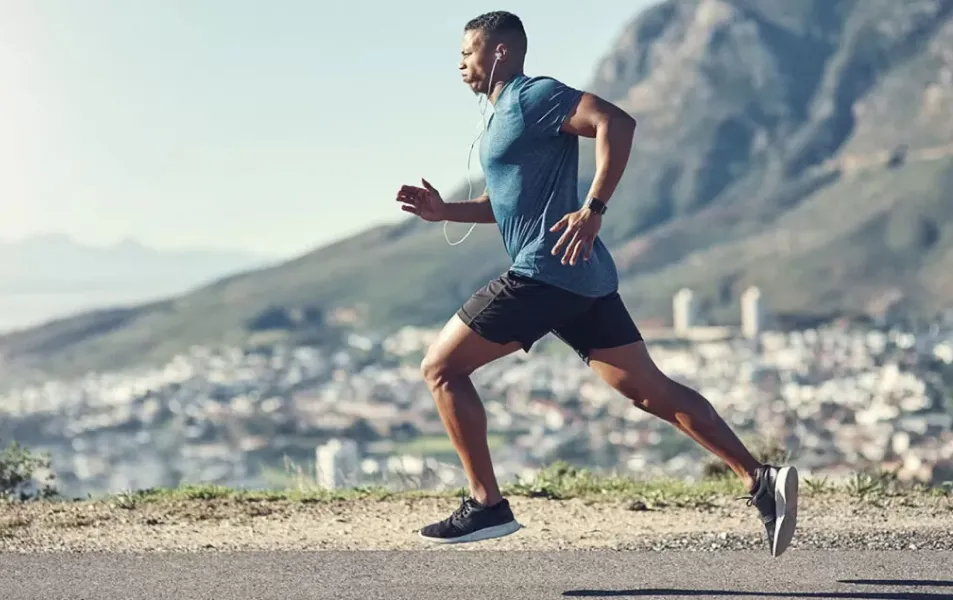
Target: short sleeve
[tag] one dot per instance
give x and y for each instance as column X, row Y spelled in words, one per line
column 546, row 103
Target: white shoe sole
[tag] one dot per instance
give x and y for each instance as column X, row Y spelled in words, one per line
column 785, row 498
column 478, row 536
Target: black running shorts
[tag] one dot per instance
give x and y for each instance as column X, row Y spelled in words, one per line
column 513, row 307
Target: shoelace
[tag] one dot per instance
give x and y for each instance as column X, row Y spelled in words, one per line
column 749, row 497
column 463, row 510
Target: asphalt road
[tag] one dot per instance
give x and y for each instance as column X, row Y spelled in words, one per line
column 478, row 575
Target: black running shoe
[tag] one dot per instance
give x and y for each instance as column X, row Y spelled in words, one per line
column 775, row 497
column 472, row 522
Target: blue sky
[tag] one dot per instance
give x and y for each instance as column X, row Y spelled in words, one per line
column 269, row 126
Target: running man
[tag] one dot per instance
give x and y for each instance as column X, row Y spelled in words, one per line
column 563, row 280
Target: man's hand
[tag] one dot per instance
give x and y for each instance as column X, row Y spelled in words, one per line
column 424, row 202
column 582, row 227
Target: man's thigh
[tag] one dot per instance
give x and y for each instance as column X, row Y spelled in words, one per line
column 605, row 325
column 513, row 309
column 459, row 350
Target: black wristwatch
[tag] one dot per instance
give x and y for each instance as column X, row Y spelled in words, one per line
column 596, row 205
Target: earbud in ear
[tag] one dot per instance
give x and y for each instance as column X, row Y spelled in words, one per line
column 499, row 55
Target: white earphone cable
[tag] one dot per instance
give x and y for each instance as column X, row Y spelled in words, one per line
column 470, row 156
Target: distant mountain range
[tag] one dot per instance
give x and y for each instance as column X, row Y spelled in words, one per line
column 48, row 276
column 805, row 146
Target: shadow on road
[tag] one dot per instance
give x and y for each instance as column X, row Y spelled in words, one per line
column 739, row 593
column 916, row 582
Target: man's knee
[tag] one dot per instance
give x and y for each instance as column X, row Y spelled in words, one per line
column 430, row 367
column 437, row 370
column 457, row 352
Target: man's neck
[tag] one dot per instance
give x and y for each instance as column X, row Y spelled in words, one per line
column 499, row 85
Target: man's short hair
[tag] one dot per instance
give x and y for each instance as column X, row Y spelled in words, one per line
column 500, row 26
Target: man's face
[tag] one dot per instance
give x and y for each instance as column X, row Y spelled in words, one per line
column 476, row 61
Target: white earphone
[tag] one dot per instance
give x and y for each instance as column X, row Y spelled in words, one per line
column 499, row 55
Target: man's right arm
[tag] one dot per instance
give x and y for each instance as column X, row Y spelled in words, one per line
column 469, row 211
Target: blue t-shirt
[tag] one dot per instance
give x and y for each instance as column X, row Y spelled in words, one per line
column 532, row 171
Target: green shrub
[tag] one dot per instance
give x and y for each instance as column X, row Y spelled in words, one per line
column 19, row 472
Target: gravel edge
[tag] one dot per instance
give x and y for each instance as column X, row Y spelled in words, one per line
column 230, row 524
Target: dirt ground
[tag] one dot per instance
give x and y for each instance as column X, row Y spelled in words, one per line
column 228, row 524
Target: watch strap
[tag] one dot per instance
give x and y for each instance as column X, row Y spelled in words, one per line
column 596, row 205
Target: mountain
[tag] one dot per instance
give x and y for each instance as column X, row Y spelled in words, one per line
column 805, row 147
column 47, row 276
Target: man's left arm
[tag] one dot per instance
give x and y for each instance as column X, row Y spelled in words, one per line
column 613, row 130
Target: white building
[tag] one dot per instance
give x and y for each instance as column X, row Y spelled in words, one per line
column 752, row 312
column 684, row 311
column 338, row 463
